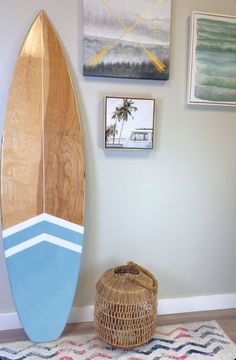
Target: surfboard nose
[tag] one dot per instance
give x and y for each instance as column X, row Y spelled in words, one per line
column 42, row 14
column 41, row 18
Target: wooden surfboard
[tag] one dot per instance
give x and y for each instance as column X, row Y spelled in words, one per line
column 42, row 185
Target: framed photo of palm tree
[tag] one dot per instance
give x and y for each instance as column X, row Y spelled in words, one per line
column 129, row 123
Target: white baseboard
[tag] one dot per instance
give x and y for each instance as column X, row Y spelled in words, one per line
column 10, row 321
column 81, row 314
column 197, row 303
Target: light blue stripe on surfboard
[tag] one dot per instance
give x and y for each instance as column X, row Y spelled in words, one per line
column 42, row 227
column 44, row 279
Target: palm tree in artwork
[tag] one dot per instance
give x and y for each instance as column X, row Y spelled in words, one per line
column 111, row 131
column 123, row 112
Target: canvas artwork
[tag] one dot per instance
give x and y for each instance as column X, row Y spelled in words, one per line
column 127, row 38
column 212, row 71
column 129, row 123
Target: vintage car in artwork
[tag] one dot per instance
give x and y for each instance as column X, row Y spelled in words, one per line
column 140, row 138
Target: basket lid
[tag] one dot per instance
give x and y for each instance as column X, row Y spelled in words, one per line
column 128, row 278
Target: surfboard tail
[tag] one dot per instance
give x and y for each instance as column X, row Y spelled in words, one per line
column 43, row 255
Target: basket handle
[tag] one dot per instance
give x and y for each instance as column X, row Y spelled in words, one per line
column 140, row 282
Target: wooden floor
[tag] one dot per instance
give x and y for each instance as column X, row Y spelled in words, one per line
column 225, row 318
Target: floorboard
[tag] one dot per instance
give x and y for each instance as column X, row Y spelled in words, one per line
column 225, row 318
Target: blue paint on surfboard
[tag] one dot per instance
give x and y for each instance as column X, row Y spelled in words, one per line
column 42, row 264
column 53, row 269
column 42, row 227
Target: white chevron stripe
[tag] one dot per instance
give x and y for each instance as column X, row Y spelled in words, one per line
column 41, row 238
column 43, row 217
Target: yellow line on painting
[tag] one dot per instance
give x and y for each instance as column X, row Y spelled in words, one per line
column 154, row 59
column 102, row 53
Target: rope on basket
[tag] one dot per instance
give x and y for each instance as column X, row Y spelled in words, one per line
column 139, row 281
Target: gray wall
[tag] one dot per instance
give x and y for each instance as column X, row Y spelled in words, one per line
column 172, row 209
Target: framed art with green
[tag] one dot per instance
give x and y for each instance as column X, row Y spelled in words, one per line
column 212, row 65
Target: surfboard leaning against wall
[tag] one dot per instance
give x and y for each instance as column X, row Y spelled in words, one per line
column 42, row 185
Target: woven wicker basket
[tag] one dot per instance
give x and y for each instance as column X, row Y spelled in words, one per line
column 126, row 306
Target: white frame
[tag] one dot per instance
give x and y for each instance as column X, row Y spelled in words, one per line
column 152, row 121
column 191, row 99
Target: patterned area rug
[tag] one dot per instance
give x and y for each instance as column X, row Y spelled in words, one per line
column 176, row 342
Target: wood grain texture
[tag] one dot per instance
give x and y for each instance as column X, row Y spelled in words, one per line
column 42, row 157
column 64, row 169
column 21, row 166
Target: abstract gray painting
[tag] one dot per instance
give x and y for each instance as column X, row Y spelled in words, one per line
column 127, row 38
column 213, row 60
